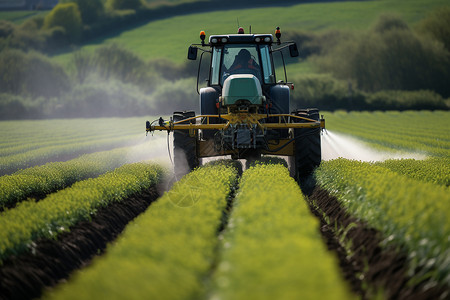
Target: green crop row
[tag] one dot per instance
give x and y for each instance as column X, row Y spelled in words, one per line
column 167, row 252
column 411, row 214
column 51, row 141
column 272, row 248
column 30, row 220
column 24, row 144
column 435, row 170
column 17, row 136
column 42, row 180
column 28, row 159
column 422, row 131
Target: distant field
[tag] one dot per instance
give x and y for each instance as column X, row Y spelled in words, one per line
column 19, row 17
column 171, row 37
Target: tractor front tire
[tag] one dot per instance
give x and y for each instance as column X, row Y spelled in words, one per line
column 308, row 154
column 184, row 147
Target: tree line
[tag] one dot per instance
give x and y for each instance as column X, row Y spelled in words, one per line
column 390, row 66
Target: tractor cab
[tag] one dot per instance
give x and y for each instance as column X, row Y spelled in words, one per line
column 242, row 73
column 242, row 54
column 241, row 58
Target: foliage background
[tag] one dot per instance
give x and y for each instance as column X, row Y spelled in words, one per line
column 96, row 58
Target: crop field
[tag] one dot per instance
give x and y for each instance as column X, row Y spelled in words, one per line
column 87, row 212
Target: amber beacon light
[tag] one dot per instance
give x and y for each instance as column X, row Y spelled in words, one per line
column 278, row 34
column 202, row 37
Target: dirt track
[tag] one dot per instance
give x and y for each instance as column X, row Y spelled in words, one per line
column 50, row 261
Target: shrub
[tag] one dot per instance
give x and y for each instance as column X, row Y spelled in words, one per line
column 27, row 39
column 31, row 74
column 12, row 107
column 90, row 10
column 403, row 100
column 103, row 99
column 66, row 15
column 317, row 43
column 6, row 28
column 172, row 96
column 437, row 25
column 390, row 57
column 389, row 22
column 33, row 24
column 117, row 63
column 326, row 93
column 113, row 61
column 124, row 4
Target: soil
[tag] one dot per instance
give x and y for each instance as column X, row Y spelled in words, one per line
column 367, row 264
column 25, row 276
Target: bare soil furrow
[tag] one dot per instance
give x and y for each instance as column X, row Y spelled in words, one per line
column 50, row 261
column 366, row 265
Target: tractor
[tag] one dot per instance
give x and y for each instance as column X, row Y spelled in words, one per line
column 245, row 111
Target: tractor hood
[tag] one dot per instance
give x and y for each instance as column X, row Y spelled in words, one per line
column 242, row 87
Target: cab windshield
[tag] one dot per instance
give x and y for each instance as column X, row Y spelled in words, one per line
column 241, row 59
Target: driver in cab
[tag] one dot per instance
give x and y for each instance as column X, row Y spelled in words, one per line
column 245, row 64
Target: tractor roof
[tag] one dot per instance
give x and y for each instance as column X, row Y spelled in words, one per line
column 241, row 39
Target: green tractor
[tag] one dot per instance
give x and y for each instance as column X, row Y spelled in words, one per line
column 244, row 110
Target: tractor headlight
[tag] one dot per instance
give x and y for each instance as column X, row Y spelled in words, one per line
column 258, row 39
column 267, row 39
column 224, row 40
column 213, row 40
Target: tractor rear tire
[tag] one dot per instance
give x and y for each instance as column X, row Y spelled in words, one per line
column 308, row 154
column 184, row 147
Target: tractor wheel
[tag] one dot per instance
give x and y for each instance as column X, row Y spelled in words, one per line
column 184, row 147
column 307, row 146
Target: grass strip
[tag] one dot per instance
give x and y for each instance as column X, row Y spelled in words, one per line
column 30, row 220
column 272, row 248
column 167, row 251
column 412, row 215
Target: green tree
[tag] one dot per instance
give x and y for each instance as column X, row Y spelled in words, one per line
column 31, row 74
column 67, row 16
column 437, row 24
column 389, row 22
column 390, row 57
column 90, row 10
column 124, row 4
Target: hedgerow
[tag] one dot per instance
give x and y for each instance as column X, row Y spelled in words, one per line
column 167, row 252
column 411, row 214
column 30, row 220
column 272, row 248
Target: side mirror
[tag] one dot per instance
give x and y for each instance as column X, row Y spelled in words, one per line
column 293, row 50
column 192, row 53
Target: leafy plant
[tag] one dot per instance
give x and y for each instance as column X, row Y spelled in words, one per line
column 271, row 248
column 58, row 212
column 166, row 252
column 411, row 214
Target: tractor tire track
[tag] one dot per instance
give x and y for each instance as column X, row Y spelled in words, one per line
column 365, row 264
column 49, row 261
